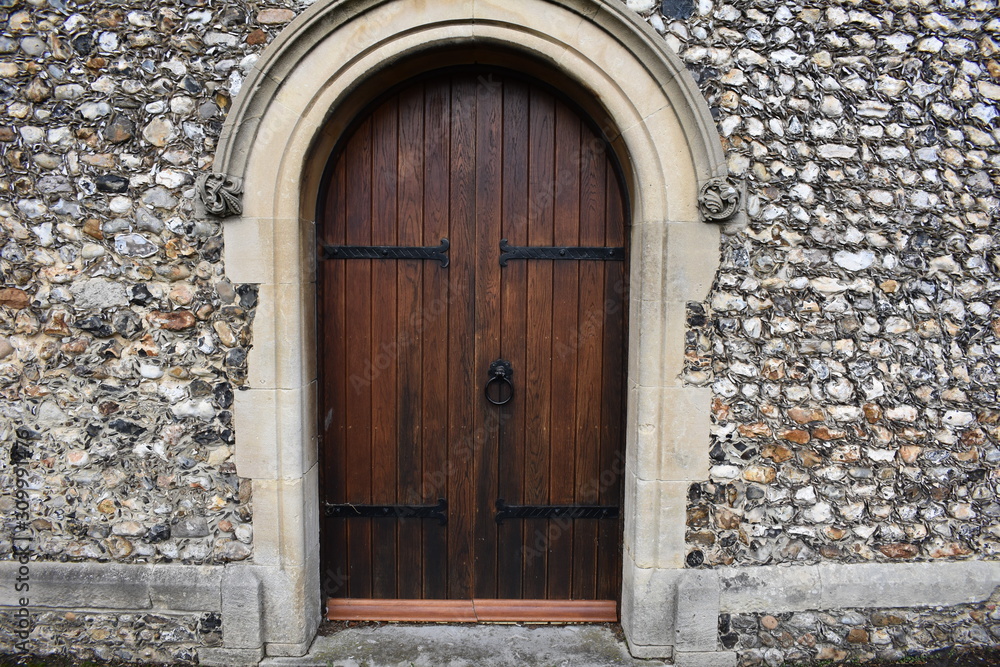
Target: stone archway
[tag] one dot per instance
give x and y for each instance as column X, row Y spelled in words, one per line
column 317, row 73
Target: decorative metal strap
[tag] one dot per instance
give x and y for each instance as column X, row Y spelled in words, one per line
column 554, row 511
column 388, row 252
column 349, row 511
column 555, row 252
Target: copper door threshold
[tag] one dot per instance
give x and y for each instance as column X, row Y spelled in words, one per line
column 473, row 611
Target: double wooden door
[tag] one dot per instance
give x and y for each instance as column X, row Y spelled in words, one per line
column 467, row 219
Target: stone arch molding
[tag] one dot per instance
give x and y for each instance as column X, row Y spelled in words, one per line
column 276, row 140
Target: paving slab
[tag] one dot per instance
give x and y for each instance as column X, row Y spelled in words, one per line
column 397, row 645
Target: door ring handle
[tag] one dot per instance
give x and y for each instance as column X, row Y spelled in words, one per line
column 500, row 372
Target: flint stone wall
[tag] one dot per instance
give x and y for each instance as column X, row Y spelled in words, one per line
column 857, row 634
column 121, row 339
column 135, row 638
column 851, row 339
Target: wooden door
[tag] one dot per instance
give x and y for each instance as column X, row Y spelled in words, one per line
column 429, row 490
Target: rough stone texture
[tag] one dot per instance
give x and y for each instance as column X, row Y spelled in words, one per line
column 115, row 390
column 856, row 634
column 851, row 338
column 113, row 289
column 140, row 638
column 853, row 333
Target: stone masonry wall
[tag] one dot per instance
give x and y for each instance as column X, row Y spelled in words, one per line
column 852, row 338
column 121, row 340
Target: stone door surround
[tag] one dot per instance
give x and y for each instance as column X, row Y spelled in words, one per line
column 308, row 84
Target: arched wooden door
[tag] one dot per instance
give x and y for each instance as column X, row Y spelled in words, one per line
column 471, row 218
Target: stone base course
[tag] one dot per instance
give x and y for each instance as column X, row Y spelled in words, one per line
column 148, row 613
column 175, row 613
column 111, row 586
column 694, row 604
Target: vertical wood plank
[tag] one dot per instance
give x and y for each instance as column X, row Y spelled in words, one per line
column 461, row 334
column 565, row 341
column 436, row 469
column 513, row 296
column 612, row 436
column 359, row 354
column 538, row 370
column 409, row 343
column 333, row 388
column 590, row 363
column 489, row 143
column 384, row 335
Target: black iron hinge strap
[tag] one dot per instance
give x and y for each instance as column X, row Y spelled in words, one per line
column 559, row 252
column 439, row 253
column 351, row 511
column 505, row 511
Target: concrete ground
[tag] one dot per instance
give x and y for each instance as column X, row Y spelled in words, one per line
column 396, row 645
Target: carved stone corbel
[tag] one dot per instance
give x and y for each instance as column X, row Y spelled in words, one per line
column 222, row 195
column 719, row 199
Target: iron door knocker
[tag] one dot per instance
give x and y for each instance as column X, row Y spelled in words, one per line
column 500, row 372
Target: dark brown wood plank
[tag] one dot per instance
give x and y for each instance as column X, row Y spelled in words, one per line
column 565, row 311
column 384, row 333
column 513, row 295
column 437, row 108
column 538, row 356
column 590, row 365
column 333, row 387
column 463, row 379
column 489, row 144
column 358, row 276
column 612, row 436
column 409, row 342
